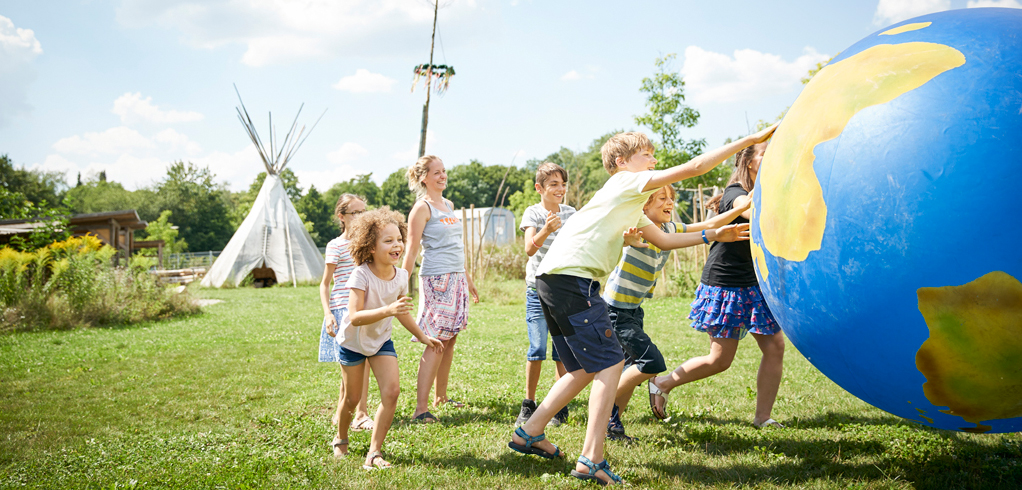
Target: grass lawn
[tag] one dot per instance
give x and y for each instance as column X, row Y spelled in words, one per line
column 235, row 398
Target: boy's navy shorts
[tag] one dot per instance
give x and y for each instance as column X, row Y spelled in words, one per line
column 640, row 350
column 579, row 326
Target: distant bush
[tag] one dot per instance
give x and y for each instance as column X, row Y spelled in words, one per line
column 72, row 283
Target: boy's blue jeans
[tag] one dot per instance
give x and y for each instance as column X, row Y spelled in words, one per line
column 536, row 324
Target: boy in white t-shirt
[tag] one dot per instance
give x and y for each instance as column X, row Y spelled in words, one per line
column 541, row 223
column 589, row 247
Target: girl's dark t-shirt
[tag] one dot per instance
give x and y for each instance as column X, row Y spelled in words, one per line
column 729, row 265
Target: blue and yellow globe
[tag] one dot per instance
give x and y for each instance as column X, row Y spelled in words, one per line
column 886, row 220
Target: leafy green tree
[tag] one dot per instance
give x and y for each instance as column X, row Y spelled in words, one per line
column 479, row 184
column 198, row 205
column 362, row 185
column 315, row 210
column 97, row 196
column 163, row 229
column 37, row 186
column 667, row 114
column 394, row 192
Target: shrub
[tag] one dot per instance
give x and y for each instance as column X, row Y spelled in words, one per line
column 72, row 283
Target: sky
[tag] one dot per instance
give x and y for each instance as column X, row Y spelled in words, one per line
column 130, row 86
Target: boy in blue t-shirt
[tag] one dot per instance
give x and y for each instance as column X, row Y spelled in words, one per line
column 540, row 223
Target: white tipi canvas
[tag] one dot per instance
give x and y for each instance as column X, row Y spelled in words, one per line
column 273, row 234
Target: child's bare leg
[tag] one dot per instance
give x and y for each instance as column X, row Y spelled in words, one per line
column 443, row 372
column 387, row 377
column 362, row 411
column 768, row 380
column 428, row 364
column 352, row 381
column 533, row 369
column 561, row 371
column 722, row 352
column 563, row 391
column 601, row 402
column 630, row 379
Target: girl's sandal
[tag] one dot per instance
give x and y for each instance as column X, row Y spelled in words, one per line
column 376, row 462
column 364, row 423
column 604, row 466
column 336, row 444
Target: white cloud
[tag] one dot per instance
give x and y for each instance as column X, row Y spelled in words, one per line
column 277, row 31
column 409, row 156
column 18, row 48
column 347, row 153
column 571, row 75
column 893, row 11
column 324, row 179
column 112, row 141
column 132, row 108
column 364, row 81
column 1008, row 4
column 136, row 160
column 750, row 74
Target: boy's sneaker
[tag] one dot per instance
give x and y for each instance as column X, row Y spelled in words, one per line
column 615, row 429
column 560, row 417
column 528, row 406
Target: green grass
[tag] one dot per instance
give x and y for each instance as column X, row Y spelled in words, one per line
column 234, row 398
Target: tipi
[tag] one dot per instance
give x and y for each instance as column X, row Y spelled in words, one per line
column 272, row 234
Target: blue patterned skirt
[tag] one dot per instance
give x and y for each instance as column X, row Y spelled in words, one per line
column 731, row 313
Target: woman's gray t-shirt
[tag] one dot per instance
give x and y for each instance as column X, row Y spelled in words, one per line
column 535, row 216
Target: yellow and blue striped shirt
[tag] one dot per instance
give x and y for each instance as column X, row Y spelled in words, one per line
column 634, row 279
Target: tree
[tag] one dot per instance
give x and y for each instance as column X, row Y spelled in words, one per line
column 37, row 186
column 362, row 185
column 315, row 210
column 163, row 229
column 394, row 192
column 667, row 114
column 97, row 196
column 479, row 184
column 287, row 178
column 198, row 205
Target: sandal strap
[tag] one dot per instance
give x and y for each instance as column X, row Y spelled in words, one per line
column 529, row 440
column 593, row 468
column 605, row 466
column 338, row 442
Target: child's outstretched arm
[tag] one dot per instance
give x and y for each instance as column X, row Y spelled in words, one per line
column 409, row 323
column 720, row 219
column 359, row 316
column 705, row 162
column 417, row 219
column 670, row 241
column 324, row 299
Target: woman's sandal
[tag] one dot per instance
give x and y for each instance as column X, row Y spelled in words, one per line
column 364, row 423
column 376, row 462
column 654, row 392
column 768, row 423
column 453, row 403
column 593, row 468
column 426, row 418
column 529, row 441
column 336, row 443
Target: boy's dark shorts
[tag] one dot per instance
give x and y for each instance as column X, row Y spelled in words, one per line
column 579, row 326
column 638, row 347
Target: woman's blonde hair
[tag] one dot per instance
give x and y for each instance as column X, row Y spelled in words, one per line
column 365, row 231
column 342, row 206
column 418, row 171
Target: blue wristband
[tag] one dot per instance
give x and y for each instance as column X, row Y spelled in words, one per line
column 704, row 238
column 684, row 228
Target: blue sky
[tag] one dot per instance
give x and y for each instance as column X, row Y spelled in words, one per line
column 128, row 86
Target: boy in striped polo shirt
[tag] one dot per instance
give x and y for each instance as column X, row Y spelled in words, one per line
column 633, row 281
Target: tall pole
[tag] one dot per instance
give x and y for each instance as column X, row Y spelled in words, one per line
column 429, row 79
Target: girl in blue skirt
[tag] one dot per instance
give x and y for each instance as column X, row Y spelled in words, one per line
column 729, row 305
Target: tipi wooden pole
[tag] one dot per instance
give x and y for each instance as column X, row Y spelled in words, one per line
column 290, row 253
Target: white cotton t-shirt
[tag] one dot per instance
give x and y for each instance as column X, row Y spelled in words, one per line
column 367, row 339
column 535, row 217
column 589, row 244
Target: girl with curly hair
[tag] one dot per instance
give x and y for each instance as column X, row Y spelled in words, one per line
column 377, row 294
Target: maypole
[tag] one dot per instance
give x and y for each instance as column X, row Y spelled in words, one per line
column 443, row 74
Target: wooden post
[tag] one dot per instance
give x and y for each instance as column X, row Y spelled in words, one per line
column 464, row 238
column 702, row 217
column 472, row 232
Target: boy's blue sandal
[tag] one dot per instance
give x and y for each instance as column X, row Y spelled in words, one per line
column 593, row 468
column 529, row 441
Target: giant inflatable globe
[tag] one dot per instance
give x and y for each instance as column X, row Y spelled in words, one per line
column 886, row 220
